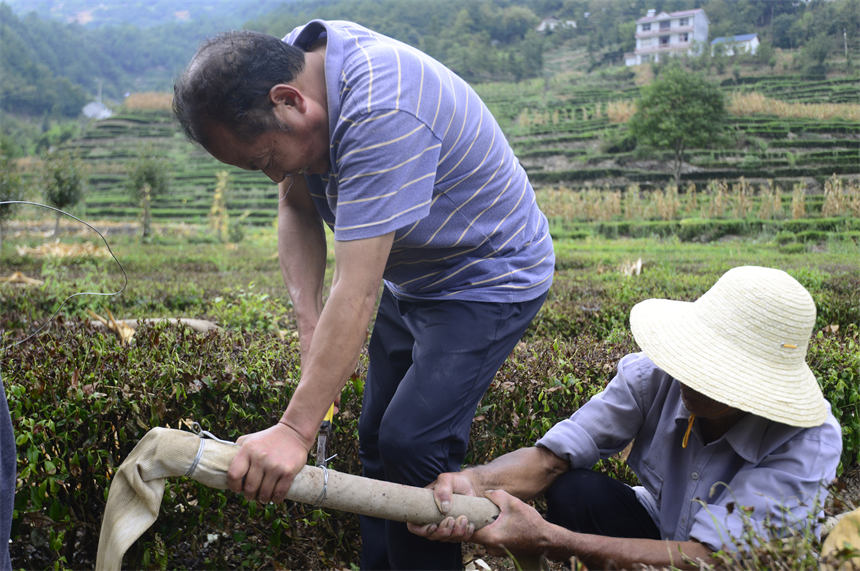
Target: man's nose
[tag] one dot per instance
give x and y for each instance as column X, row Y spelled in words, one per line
column 275, row 176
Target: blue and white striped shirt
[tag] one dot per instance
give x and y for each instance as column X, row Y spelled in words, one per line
column 414, row 150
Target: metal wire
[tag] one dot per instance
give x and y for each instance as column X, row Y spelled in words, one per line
column 197, row 458
column 198, row 430
column 62, row 303
column 324, row 493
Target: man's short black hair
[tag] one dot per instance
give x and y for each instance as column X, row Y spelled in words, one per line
column 228, row 82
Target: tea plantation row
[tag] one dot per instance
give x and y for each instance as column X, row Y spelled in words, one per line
column 81, row 399
column 560, row 128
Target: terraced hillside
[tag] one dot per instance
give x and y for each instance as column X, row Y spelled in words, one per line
column 565, row 130
column 110, row 146
column 566, row 134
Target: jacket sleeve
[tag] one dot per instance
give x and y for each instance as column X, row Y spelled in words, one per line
column 611, row 419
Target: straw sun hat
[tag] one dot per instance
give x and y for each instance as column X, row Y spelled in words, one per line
column 743, row 343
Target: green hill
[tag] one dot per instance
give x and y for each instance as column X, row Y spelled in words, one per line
column 110, row 146
column 561, row 131
column 566, row 135
column 562, row 121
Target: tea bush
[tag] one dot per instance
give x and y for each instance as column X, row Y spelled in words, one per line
column 835, row 358
column 243, row 308
column 81, row 400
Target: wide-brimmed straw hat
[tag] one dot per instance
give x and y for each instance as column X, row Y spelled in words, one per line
column 743, row 343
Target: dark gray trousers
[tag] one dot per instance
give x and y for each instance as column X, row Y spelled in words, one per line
column 430, row 363
column 8, row 466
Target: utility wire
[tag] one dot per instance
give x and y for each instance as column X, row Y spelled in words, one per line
column 53, row 315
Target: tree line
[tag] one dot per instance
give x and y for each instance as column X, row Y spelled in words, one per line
column 52, row 68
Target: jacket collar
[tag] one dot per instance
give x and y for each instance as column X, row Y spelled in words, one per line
column 752, row 437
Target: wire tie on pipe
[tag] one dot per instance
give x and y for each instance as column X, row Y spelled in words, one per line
column 203, row 435
column 324, row 492
column 197, row 458
column 198, row 430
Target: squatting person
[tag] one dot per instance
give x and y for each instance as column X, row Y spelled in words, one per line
column 405, row 163
column 729, row 430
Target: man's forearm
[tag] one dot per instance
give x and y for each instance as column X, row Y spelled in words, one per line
column 602, row 552
column 331, row 358
column 302, row 256
column 340, row 332
column 523, row 473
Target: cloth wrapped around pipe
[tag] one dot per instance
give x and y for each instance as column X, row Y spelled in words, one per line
column 137, row 488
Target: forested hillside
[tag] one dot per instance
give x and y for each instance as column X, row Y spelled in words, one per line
column 49, row 68
column 495, row 38
column 480, row 40
column 145, row 13
column 48, row 65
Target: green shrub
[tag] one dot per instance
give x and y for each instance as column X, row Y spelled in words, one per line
column 80, row 400
column 792, row 248
column 812, row 236
column 834, row 356
column 617, row 141
column 243, row 308
column 785, row 237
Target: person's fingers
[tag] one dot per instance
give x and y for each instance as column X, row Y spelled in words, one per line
column 462, row 527
column 444, row 529
column 442, row 493
column 422, row 530
column 236, row 472
column 450, row 529
column 282, row 487
column 253, row 479
column 267, row 486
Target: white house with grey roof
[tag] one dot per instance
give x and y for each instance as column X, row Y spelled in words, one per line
column 739, row 44
column 669, row 34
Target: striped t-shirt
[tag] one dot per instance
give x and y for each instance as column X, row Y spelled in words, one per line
column 415, row 151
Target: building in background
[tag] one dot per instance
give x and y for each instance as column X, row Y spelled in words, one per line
column 661, row 35
column 550, row 24
column 96, row 109
column 740, row 44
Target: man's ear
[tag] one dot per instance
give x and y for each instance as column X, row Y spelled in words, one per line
column 286, row 94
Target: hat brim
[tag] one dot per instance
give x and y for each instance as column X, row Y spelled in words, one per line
column 723, row 368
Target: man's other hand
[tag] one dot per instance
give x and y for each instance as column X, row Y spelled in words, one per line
column 450, row 483
column 517, row 529
column 449, row 529
column 267, row 461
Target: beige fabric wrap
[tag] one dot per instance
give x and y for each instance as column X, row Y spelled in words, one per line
column 138, row 486
column 844, row 535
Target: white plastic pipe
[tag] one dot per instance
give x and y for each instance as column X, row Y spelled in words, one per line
column 138, row 486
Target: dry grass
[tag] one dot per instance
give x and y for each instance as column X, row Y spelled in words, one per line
column 770, row 203
column 717, row 199
column 798, row 201
column 620, row 111
column 666, row 202
column 28, row 164
column 840, row 198
column 756, row 103
column 643, row 74
column 149, row 101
